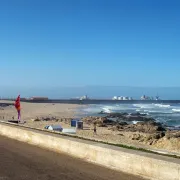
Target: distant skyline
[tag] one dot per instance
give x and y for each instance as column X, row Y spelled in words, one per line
column 170, row 93
column 77, row 43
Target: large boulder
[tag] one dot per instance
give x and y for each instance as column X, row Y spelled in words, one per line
column 149, row 127
column 145, row 127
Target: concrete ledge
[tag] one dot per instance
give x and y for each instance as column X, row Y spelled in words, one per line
column 150, row 166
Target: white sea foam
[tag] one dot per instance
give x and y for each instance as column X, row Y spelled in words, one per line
column 92, row 109
column 151, row 111
column 150, row 106
column 162, row 105
column 144, row 106
column 106, row 110
column 167, row 113
column 176, row 110
column 135, row 122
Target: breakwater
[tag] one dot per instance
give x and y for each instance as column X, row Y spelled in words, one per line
column 99, row 101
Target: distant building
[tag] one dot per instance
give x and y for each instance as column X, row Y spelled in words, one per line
column 125, row 98
column 120, row 98
column 143, row 97
column 146, row 98
column 157, row 98
column 39, row 98
column 115, row 98
column 84, row 97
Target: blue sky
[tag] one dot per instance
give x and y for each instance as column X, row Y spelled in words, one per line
column 89, row 42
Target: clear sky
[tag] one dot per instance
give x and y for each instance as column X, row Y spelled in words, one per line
column 90, row 42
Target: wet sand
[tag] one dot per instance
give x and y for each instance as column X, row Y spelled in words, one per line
column 20, row 161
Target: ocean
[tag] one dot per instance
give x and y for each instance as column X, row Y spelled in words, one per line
column 168, row 114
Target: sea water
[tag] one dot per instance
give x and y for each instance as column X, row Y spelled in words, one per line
column 168, row 114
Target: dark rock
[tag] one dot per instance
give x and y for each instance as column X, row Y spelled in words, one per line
column 119, row 127
column 109, row 122
column 102, row 112
column 138, row 114
column 136, row 137
column 138, row 118
column 46, row 119
column 116, row 115
column 122, row 123
column 156, row 136
column 102, row 125
column 130, row 117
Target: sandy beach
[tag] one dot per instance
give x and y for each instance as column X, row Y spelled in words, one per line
column 33, row 110
column 33, row 113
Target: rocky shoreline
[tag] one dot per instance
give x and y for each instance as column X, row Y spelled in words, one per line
column 146, row 130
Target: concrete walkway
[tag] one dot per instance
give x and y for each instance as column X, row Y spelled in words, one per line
column 20, row 161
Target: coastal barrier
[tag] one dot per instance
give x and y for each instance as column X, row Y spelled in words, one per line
column 95, row 101
column 150, row 166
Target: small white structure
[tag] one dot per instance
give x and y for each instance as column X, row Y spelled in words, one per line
column 143, row 97
column 54, row 128
column 120, row 98
column 69, row 131
column 115, row 98
column 125, row 98
column 84, row 97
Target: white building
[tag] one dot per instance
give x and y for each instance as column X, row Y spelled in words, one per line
column 125, row 98
column 84, row 97
column 115, row 98
column 120, row 98
column 143, row 97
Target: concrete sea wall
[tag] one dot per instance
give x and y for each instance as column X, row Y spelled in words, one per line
column 150, row 166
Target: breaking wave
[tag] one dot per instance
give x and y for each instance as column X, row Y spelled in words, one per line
column 165, row 113
column 162, row 105
column 106, row 110
column 176, row 110
column 149, row 106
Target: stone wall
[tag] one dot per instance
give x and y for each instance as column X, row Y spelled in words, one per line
column 150, row 166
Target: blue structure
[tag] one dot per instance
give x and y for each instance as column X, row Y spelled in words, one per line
column 77, row 123
column 74, row 122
